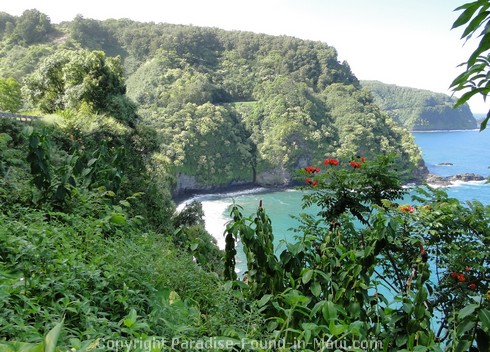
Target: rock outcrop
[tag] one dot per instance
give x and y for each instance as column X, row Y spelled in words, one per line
column 437, row 180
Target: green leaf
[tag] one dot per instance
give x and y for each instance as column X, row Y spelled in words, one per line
column 475, row 23
column 51, row 339
column 91, row 162
column 354, row 309
column 118, row 219
column 173, row 297
column 466, row 15
column 463, row 346
column 465, row 97
column 407, row 308
column 309, row 326
column 483, row 124
column 131, row 318
column 27, row 131
column 468, row 310
column 329, row 311
column 263, row 301
column 482, row 47
column 125, row 203
column 484, row 316
column 419, row 311
column 307, row 275
column 336, row 330
column 464, row 326
column 86, row 171
column 316, row 289
column 463, row 77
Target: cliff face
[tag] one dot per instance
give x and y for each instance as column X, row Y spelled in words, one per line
column 188, row 184
column 421, row 110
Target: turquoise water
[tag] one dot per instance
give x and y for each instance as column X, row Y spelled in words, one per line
column 468, row 151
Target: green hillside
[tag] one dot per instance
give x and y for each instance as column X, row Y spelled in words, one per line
column 421, row 110
column 187, row 82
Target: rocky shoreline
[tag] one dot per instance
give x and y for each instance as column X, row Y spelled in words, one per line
column 442, row 181
column 431, row 180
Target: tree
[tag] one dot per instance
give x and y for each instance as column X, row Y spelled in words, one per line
column 91, row 34
column 10, row 95
column 7, row 24
column 33, row 26
column 476, row 78
column 67, row 79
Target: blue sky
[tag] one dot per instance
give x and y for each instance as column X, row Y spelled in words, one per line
column 408, row 43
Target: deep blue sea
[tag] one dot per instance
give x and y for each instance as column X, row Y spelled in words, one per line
column 468, row 151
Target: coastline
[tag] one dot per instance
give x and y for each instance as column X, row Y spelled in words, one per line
column 439, row 131
column 226, row 191
column 216, row 204
column 431, row 180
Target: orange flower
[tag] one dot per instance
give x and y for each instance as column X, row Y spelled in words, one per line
column 311, row 182
column 311, row 169
column 407, row 208
column 333, row 162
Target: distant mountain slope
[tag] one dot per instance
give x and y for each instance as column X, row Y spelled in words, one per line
column 227, row 107
column 421, row 110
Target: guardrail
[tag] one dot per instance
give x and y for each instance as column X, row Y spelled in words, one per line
column 18, row 117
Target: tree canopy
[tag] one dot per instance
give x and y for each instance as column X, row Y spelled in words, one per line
column 475, row 80
column 68, row 79
column 32, row 27
column 213, row 96
column 10, row 95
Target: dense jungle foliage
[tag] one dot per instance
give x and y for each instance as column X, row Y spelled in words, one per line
column 93, row 256
column 228, row 107
column 421, row 110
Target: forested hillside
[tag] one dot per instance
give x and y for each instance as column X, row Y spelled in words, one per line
column 94, row 257
column 227, row 107
column 421, row 110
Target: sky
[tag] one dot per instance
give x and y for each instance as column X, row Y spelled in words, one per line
column 404, row 42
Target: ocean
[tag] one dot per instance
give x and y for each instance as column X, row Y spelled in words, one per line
column 445, row 153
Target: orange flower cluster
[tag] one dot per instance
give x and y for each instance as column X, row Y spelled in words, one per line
column 355, row 164
column 460, row 277
column 312, row 169
column 407, row 208
column 457, row 277
column 311, row 182
column 333, row 162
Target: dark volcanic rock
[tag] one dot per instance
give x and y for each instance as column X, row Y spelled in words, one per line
column 447, row 181
column 437, row 180
column 466, row 177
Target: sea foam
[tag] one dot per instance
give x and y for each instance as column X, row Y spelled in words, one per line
column 215, row 207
